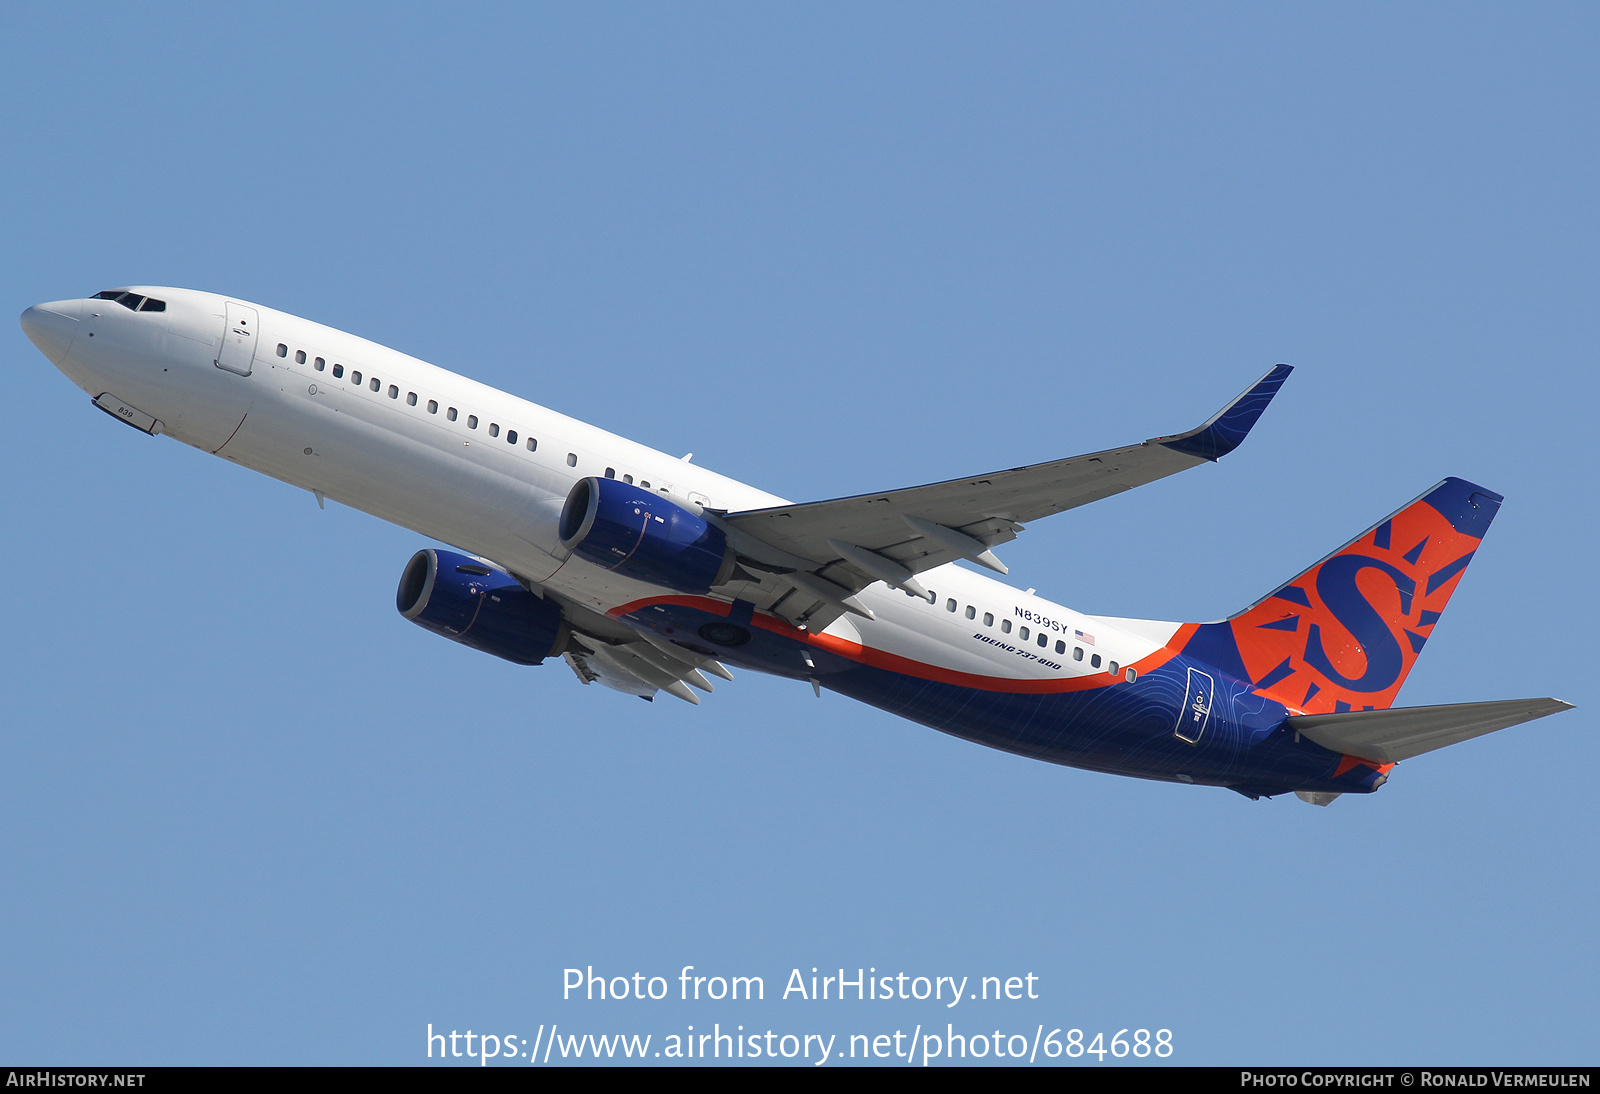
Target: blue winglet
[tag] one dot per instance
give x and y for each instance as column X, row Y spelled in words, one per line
column 1227, row 428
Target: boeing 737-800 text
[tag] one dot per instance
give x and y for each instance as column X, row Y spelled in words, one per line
column 646, row 573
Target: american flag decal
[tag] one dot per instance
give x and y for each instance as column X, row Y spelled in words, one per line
column 1086, row 639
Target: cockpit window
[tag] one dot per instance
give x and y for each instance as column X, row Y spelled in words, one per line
column 132, row 300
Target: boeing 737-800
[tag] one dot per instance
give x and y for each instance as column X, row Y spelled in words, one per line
column 647, row 573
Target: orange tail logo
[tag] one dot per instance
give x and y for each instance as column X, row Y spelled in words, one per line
column 1344, row 634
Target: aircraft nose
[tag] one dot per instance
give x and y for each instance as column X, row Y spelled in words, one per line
column 51, row 327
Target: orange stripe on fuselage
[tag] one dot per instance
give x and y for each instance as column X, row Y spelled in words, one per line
column 890, row 662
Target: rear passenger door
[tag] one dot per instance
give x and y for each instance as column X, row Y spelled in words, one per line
column 1196, row 712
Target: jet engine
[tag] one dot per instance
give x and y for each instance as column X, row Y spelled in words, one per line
column 480, row 606
column 645, row 536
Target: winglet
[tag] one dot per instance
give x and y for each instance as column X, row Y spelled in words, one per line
column 1226, row 429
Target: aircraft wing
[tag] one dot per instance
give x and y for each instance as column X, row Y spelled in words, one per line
column 1388, row 736
column 848, row 543
column 630, row 660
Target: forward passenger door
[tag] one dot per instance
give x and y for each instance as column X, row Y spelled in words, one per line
column 239, row 337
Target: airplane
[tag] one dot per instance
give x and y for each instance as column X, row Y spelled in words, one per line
column 647, row 573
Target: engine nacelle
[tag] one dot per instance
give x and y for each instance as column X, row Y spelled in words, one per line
column 479, row 606
column 645, row 536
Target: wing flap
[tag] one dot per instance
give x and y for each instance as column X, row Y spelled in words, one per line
column 635, row 662
column 1388, row 736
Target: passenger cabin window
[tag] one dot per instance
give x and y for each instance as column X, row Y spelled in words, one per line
column 411, row 398
column 511, row 436
column 472, row 421
column 950, row 605
column 1005, row 626
column 299, row 356
column 433, row 406
column 988, row 619
column 645, row 483
column 1061, row 647
column 611, row 472
column 1130, row 674
column 394, row 392
column 355, row 378
column 319, row 364
column 451, row 414
column 1023, row 634
column 494, row 429
column 1112, row 667
column 1044, row 640
column 283, row 350
column 972, row 613
column 572, row 459
column 1095, row 660
column 1077, row 653
column 628, row 479
column 533, row 445
column 338, row 371
column 375, row 384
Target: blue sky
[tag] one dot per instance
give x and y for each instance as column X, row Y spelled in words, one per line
column 252, row 816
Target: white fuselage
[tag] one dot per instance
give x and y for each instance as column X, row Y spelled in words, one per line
column 431, row 450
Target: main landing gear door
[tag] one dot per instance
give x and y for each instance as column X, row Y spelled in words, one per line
column 238, row 340
column 1196, row 712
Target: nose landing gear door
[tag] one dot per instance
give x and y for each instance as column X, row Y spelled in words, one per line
column 238, row 340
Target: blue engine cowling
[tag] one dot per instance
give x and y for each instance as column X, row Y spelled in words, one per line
column 648, row 537
column 479, row 606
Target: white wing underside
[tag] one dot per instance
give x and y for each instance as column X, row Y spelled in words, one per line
column 603, row 651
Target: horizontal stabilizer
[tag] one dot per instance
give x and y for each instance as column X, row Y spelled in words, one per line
column 1388, row 736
